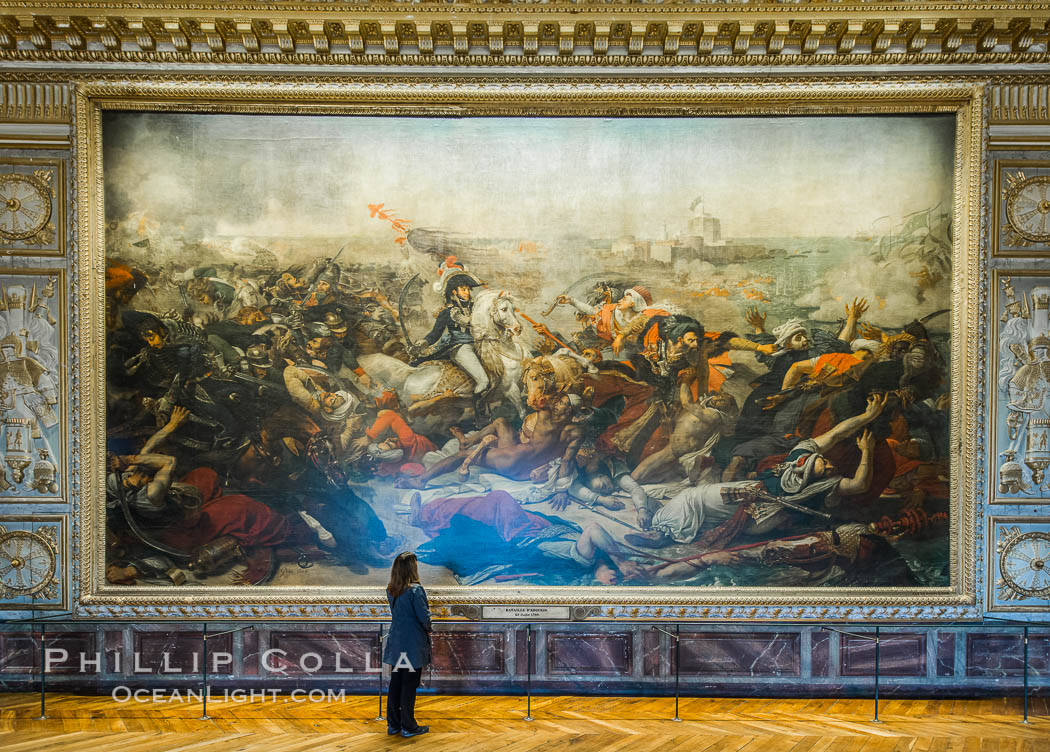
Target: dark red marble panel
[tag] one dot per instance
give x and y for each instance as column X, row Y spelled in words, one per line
column 733, row 654
column 945, row 654
column 321, row 653
column 590, row 653
column 179, row 653
column 1002, row 654
column 20, row 653
column 250, row 654
column 114, row 641
column 651, row 653
column 899, row 655
column 522, row 651
column 468, row 652
column 819, row 653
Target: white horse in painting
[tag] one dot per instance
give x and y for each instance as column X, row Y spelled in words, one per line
column 500, row 347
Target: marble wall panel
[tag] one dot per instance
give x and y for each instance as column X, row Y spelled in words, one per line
column 336, row 652
column 250, row 653
column 20, row 652
column 589, row 653
column 820, row 652
column 734, row 654
column 900, row 654
column 945, row 654
column 651, row 652
column 1002, row 654
column 113, row 639
column 178, row 653
column 522, row 653
column 468, row 653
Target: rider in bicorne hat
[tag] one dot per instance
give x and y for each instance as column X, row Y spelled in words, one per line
column 451, row 337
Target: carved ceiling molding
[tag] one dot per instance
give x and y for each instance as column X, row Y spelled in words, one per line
column 554, row 34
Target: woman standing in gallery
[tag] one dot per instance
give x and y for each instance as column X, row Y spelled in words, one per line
column 407, row 648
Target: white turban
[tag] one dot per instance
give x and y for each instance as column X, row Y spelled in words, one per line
column 347, row 406
column 637, row 301
column 798, row 474
column 787, row 330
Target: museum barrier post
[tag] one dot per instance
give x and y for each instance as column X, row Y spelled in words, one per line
column 1024, row 644
column 43, row 655
column 877, row 644
column 528, row 680
column 379, row 650
column 1025, row 674
column 204, row 669
column 204, row 672
column 876, row 639
column 676, row 636
column 677, row 667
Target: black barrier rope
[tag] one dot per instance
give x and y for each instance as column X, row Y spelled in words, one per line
column 876, row 640
column 204, row 669
column 676, row 636
column 43, row 621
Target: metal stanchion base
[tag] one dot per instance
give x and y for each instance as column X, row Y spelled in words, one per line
column 527, row 718
column 380, row 718
column 204, row 718
column 1027, row 723
column 676, row 719
column 44, row 718
column 875, row 720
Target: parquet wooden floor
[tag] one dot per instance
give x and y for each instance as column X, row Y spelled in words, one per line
column 481, row 724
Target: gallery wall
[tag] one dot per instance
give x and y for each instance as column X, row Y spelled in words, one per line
column 45, row 57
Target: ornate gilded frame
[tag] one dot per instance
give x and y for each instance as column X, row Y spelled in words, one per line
column 524, row 97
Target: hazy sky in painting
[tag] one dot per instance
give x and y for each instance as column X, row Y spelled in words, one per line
column 543, row 177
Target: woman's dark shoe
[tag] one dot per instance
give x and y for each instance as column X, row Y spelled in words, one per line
column 391, row 731
column 416, row 732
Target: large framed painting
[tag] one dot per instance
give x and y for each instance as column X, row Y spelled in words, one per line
column 627, row 347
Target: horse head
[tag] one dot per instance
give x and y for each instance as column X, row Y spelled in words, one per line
column 496, row 316
column 539, row 380
column 504, row 315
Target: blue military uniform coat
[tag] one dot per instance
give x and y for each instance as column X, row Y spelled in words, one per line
column 409, row 628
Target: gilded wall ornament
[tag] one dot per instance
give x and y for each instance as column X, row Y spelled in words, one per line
column 28, row 562
column 1027, row 208
column 25, row 207
column 1024, row 563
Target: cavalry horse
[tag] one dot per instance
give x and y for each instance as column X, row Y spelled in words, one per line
column 498, row 342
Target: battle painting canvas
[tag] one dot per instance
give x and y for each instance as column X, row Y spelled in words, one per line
column 560, row 352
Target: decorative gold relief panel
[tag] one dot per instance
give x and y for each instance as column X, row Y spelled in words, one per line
column 527, row 33
column 33, row 562
column 32, row 206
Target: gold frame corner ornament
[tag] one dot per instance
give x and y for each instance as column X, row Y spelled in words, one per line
column 526, row 97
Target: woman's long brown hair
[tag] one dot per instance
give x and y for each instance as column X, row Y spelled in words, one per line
column 402, row 574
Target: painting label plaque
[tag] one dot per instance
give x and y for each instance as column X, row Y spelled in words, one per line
column 525, row 613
